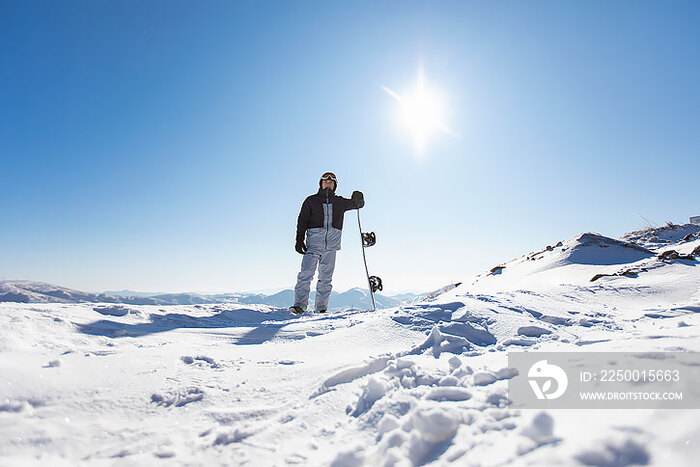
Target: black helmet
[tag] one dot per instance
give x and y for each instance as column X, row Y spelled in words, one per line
column 329, row 176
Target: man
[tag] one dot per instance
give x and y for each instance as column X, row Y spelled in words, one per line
column 321, row 221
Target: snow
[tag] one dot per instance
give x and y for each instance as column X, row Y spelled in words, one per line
column 615, row 453
column 420, row 384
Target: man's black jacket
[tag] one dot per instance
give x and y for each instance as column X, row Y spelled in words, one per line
column 314, row 216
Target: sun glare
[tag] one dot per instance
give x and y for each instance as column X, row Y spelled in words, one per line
column 421, row 113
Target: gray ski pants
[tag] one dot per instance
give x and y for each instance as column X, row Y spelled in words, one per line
column 326, row 264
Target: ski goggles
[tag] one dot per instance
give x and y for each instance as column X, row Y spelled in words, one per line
column 329, row 176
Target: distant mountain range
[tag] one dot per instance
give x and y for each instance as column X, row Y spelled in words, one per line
column 39, row 292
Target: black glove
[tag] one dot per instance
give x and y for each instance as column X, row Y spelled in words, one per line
column 358, row 198
column 300, row 247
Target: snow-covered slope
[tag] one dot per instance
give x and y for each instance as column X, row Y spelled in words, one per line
column 660, row 237
column 579, row 259
column 425, row 384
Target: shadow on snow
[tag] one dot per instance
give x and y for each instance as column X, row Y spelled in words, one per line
column 265, row 325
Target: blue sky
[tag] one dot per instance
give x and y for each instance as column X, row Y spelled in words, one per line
column 167, row 146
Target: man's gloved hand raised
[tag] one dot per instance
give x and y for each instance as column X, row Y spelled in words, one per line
column 300, row 247
column 358, row 198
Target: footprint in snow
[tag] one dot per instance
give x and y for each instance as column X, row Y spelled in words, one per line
column 207, row 361
column 178, row 398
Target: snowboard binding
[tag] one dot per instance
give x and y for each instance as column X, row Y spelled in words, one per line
column 375, row 283
column 368, row 239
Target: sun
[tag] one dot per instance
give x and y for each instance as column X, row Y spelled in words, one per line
column 421, row 113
